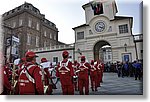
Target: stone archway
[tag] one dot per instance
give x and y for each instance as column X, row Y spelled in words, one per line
column 98, row 45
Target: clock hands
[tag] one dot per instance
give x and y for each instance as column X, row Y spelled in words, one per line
column 100, row 26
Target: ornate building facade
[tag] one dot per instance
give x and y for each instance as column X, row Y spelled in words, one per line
column 33, row 30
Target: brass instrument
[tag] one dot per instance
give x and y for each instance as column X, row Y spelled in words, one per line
column 13, row 82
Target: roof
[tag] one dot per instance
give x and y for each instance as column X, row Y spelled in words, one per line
column 87, row 4
column 83, row 25
column 122, row 17
column 61, row 43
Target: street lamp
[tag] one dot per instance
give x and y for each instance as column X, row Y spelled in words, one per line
column 125, row 47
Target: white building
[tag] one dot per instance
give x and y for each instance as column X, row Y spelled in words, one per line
column 138, row 40
column 105, row 29
column 106, row 54
column 54, row 53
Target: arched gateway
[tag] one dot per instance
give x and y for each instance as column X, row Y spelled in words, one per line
column 103, row 29
column 97, row 49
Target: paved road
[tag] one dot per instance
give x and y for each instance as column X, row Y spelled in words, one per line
column 112, row 85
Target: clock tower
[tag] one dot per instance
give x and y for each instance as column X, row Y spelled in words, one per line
column 103, row 28
column 107, row 8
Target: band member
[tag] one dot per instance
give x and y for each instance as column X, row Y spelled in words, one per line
column 99, row 73
column 75, row 67
column 53, row 73
column 83, row 76
column 93, row 76
column 65, row 72
column 30, row 76
column 20, row 66
column 102, row 70
column 6, row 84
column 47, row 76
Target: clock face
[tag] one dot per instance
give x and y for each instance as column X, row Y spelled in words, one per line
column 100, row 26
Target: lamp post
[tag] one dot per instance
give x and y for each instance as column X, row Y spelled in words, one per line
column 125, row 47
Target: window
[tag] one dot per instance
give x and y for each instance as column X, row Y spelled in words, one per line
column 37, row 26
column 105, row 57
column 45, row 33
column 20, row 22
column 27, row 6
column 109, row 57
column 45, row 43
column 54, row 37
column 14, row 24
column 37, row 41
column 13, row 11
column 123, row 28
column 55, row 59
column 19, row 7
column 29, row 23
column 50, row 35
column 80, row 35
column 28, row 39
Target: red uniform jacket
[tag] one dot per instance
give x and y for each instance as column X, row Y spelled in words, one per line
column 84, row 70
column 93, row 70
column 8, row 71
column 47, row 76
column 30, row 80
column 65, row 72
column 7, row 85
column 75, row 68
column 99, row 68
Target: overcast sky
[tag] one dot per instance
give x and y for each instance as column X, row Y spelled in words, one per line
column 67, row 14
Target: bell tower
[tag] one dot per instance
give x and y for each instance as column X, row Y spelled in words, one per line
column 94, row 8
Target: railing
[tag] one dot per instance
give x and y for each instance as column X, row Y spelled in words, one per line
column 57, row 47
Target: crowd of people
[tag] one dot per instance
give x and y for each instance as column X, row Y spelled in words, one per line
column 29, row 78
column 129, row 69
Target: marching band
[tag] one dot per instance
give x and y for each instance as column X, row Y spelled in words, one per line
column 29, row 78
